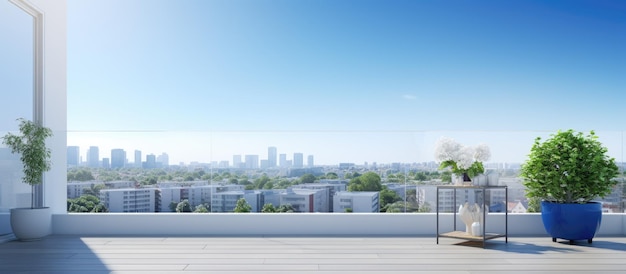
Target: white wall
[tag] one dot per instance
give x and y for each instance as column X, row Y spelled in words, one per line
column 318, row 224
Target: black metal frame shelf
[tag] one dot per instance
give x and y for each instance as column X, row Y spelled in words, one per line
column 463, row 235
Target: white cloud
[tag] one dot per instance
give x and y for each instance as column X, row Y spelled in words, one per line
column 409, row 97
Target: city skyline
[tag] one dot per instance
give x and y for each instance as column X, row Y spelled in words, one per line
column 119, row 158
column 356, row 147
column 350, row 81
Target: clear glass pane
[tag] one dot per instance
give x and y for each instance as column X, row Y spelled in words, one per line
column 16, row 80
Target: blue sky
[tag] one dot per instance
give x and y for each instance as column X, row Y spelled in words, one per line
column 232, row 77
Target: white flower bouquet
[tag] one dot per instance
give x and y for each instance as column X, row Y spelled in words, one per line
column 463, row 160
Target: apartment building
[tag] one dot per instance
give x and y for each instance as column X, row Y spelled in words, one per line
column 356, row 201
column 129, row 199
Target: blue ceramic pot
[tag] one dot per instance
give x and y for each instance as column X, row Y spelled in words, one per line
column 571, row 221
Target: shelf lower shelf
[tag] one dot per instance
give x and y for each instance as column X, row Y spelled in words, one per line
column 465, row 236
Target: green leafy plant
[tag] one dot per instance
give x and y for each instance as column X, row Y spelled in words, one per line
column 31, row 145
column 569, row 167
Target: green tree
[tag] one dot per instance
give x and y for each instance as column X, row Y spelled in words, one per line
column 82, row 175
column 201, row 209
column 285, row 208
column 421, row 176
column 85, row 203
column 284, row 183
column 388, row 197
column 348, row 210
column 395, row 207
column 307, row 179
column 242, row 206
column 183, row 206
column 173, row 206
column 369, row 181
column 260, row 182
column 268, row 208
column 446, row 177
column 332, row 175
column 94, row 190
column 534, row 205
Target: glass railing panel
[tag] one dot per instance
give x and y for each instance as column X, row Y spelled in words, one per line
column 302, row 171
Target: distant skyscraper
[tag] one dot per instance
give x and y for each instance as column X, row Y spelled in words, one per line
column 298, row 159
column 282, row 160
column 118, row 158
column 105, row 163
column 93, row 157
column 252, row 161
column 163, row 159
column 137, row 158
column 150, row 161
column 237, row 161
column 309, row 161
column 271, row 157
column 73, row 156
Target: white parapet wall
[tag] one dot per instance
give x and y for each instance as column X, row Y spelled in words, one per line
column 296, row 224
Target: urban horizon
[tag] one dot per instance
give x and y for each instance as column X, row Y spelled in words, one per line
column 328, row 148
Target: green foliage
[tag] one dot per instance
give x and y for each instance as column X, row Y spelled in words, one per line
column 268, row 208
column 81, row 175
column 242, row 206
column 534, row 205
column 201, row 209
column 307, row 179
column 568, row 167
column 332, row 175
column 85, row 203
column 475, row 169
column 446, row 177
column 183, row 206
column 388, row 197
column 421, row 176
column 94, row 190
column 286, row 208
column 395, row 207
column 348, row 210
column 173, row 206
column 31, row 145
column 260, row 182
column 370, row 181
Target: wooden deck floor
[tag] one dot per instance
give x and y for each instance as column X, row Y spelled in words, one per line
column 67, row 254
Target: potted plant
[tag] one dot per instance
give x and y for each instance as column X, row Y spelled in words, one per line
column 34, row 222
column 567, row 171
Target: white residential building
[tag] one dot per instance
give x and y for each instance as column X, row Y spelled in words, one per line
column 129, row 199
column 196, row 194
column 227, row 201
column 171, row 195
column 76, row 189
column 357, row 201
column 331, row 189
column 306, row 200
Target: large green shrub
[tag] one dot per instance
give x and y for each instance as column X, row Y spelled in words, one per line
column 569, row 167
